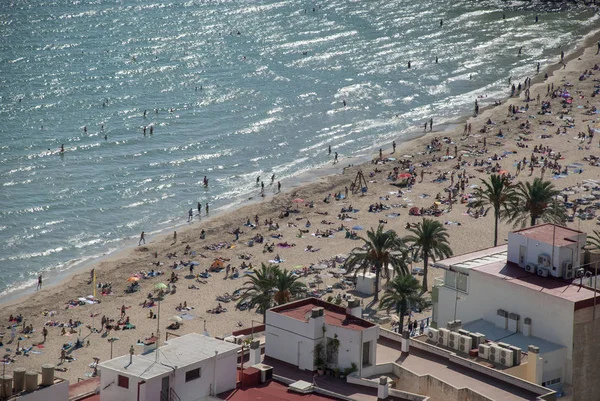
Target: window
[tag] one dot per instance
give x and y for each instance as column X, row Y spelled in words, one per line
column 123, row 381
column 192, row 375
column 366, row 354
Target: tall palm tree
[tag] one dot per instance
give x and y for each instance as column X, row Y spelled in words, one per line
column 402, row 293
column 497, row 193
column 429, row 239
column 269, row 286
column 536, row 200
column 380, row 250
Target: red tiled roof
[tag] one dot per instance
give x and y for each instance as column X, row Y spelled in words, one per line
column 272, row 391
column 545, row 233
column 334, row 315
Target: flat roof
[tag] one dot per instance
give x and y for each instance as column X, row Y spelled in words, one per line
column 272, row 391
column 425, row 363
column 180, row 352
column 497, row 334
column 551, row 234
column 463, row 263
column 334, row 315
column 510, row 272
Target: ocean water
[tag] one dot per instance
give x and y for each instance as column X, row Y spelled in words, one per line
column 233, row 90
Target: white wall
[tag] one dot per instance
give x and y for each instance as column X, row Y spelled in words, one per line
column 225, row 373
column 552, row 317
column 287, row 340
column 56, row 392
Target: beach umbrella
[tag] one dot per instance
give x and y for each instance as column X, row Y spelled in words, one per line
column 357, row 228
column 404, row 175
column 502, row 172
column 176, row 318
column 133, row 278
column 217, row 264
column 298, row 200
column 160, row 286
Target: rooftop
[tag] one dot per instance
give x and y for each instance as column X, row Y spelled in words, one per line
column 496, row 334
column 551, row 234
column 180, row 352
column 463, row 263
column 334, row 315
column 509, row 272
column 424, row 363
column 271, row 391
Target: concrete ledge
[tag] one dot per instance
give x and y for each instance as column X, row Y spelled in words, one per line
column 392, row 391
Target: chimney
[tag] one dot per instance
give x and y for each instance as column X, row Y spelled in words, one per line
column 317, row 321
column 354, row 308
column 382, row 388
column 502, row 319
column 47, row 374
column 527, row 327
column 19, row 379
column 404, row 342
column 535, row 365
column 513, row 322
column 6, row 386
column 316, row 312
column 254, row 353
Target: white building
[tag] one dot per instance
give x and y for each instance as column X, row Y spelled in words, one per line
column 188, row 368
column 293, row 331
column 524, row 294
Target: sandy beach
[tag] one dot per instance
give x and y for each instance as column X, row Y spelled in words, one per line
column 521, row 132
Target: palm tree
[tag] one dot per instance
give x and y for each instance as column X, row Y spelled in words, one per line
column 268, row 286
column 402, row 293
column 536, row 200
column 594, row 241
column 380, row 250
column 287, row 287
column 497, row 193
column 429, row 240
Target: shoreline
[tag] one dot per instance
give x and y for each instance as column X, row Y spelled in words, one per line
column 297, row 182
column 466, row 233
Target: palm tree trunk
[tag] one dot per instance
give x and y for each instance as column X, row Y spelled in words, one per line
column 496, row 219
column 401, row 313
column 425, row 270
column 376, row 297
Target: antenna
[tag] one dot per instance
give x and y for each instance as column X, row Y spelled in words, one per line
column 158, row 328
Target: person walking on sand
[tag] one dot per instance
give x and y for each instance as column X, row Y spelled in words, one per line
column 206, row 208
column 335, row 158
column 278, row 186
column 45, row 333
column 39, row 284
column 393, row 146
column 174, row 236
column 431, row 124
column 142, row 238
column 199, row 208
column 190, row 215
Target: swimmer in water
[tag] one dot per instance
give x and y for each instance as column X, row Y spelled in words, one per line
column 344, row 102
column 151, row 129
column 62, row 148
column 436, row 59
column 408, row 63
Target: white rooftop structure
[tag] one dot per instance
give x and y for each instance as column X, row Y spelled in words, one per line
column 179, row 352
column 189, row 367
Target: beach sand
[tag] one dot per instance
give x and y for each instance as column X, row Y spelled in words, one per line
column 469, row 235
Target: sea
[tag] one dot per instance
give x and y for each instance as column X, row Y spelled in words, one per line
column 230, row 90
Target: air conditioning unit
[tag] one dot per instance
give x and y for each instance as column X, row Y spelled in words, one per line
column 453, row 339
column 531, row 268
column 266, row 372
column 506, row 358
column 465, row 344
column 579, row 272
column 516, row 351
column 494, row 353
column 464, row 332
column 484, row 351
column 432, row 334
column 503, row 345
column 477, row 339
column 541, row 271
column 443, row 336
column 543, row 260
column 568, row 272
column 452, row 343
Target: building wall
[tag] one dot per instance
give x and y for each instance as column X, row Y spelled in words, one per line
column 58, row 391
column 567, row 253
column 291, row 340
column 552, row 317
column 110, row 391
column 586, row 350
column 223, row 377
